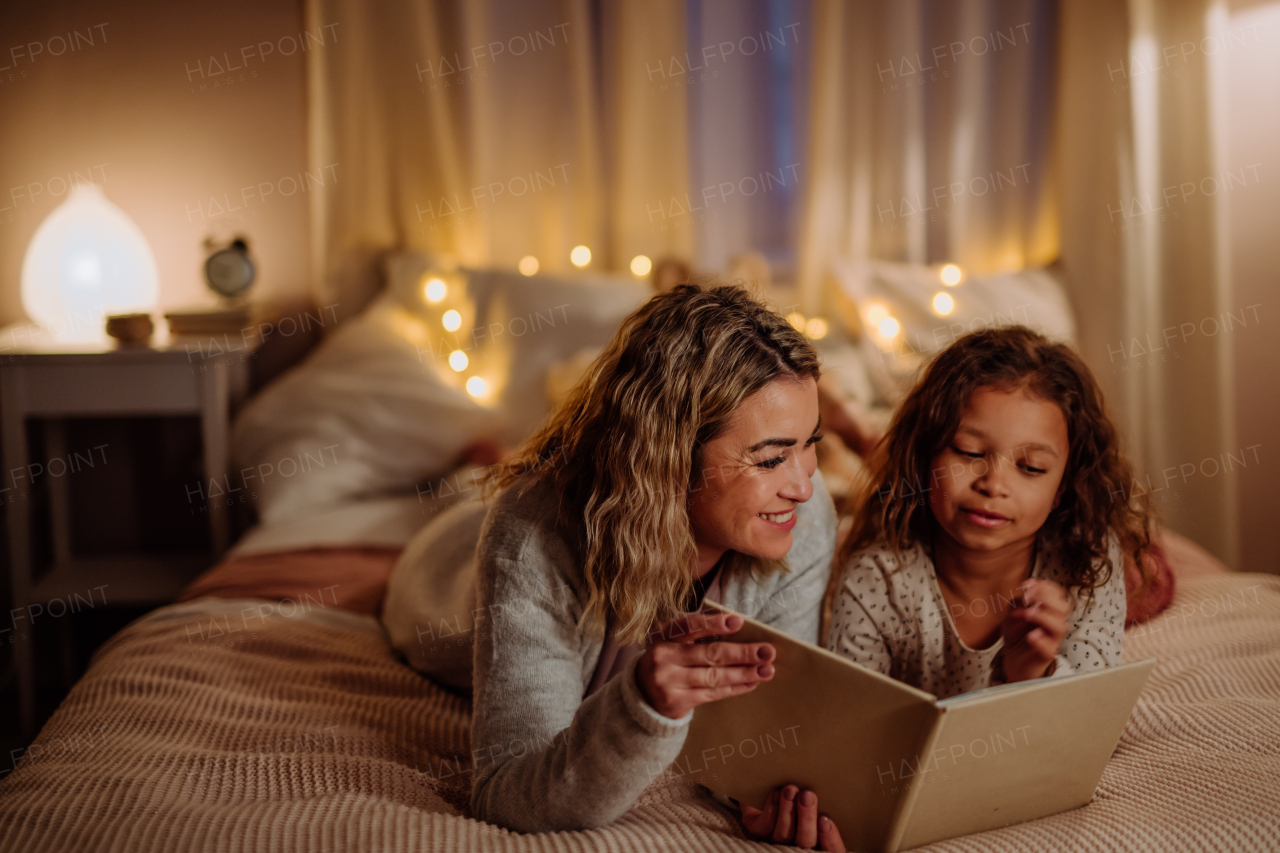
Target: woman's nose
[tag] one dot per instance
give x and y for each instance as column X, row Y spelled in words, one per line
column 799, row 485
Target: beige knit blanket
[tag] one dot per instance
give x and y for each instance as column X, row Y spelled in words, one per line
column 231, row 726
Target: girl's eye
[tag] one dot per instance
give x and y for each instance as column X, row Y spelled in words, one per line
column 815, row 439
column 1033, row 470
column 772, row 463
column 966, row 453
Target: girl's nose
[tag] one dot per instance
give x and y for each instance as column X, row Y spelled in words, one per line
column 993, row 480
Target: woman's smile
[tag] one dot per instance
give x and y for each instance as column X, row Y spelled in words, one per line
column 781, row 520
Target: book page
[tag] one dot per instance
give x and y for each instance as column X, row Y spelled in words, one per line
column 1004, row 756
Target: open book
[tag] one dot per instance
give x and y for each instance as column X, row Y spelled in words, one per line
column 895, row 767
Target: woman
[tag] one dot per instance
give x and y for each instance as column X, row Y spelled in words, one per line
column 681, row 468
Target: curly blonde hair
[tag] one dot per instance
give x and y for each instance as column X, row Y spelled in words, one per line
column 887, row 506
column 625, row 448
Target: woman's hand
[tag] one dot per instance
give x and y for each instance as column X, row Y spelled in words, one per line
column 1034, row 629
column 677, row 674
column 790, row 816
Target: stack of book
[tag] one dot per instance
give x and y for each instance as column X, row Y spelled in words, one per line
column 208, row 321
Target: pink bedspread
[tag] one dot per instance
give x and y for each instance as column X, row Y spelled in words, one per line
column 353, row 579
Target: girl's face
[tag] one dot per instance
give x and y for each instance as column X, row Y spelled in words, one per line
column 1001, row 476
column 756, row 473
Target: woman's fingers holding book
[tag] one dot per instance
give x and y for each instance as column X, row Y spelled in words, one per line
column 759, row 821
column 706, row 695
column 723, row 654
column 807, row 820
column 696, row 626
column 790, row 816
column 784, row 829
column 675, row 678
column 712, row 677
column 829, row 836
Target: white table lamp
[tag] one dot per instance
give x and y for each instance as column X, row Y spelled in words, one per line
column 87, row 260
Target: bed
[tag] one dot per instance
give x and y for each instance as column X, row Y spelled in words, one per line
column 280, row 719
column 267, row 711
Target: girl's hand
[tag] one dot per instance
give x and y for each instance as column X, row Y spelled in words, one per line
column 790, row 816
column 677, row 674
column 1034, row 629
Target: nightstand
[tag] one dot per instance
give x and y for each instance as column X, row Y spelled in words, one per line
column 43, row 378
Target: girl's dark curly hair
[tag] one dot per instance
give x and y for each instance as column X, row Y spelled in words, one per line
column 887, row 506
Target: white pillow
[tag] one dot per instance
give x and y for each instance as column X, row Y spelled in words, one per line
column 363, row 415
column 1032, row 298
column 522, row 326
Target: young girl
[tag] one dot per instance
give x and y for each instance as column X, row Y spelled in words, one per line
column 988, row 542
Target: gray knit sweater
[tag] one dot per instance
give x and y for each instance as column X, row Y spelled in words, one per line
column 544, row 758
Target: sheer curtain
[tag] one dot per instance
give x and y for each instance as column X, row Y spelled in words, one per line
column 747, row 107
column 1143, row 245
column 485, row 131
column 1006, row 135
column 929, row 136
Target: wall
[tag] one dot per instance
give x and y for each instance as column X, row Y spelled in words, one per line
column 1253, row 130
column 143, row 112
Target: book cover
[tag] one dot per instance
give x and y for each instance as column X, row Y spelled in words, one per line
column 893, row 766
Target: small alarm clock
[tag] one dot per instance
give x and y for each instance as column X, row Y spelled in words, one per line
column 230, row 272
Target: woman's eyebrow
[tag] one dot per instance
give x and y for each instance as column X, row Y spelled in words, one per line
column 782, row 442
column 771, row 442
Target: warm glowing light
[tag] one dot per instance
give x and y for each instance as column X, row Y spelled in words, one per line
column 888, row 327
column 452, row 320
column 434, row 290
column 640, row 265
column 875, row 313
column 476, row 386
column 943, row 304
column 816, row 328
column 528, row 265
column 581, row 256
column 87, row 260
column 797, row 321
column 950, row 275
column 458, row 360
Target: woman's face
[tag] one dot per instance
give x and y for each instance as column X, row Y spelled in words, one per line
column 756, row 473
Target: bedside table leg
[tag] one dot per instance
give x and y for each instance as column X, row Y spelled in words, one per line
column 13, row 425
column 213, row 422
